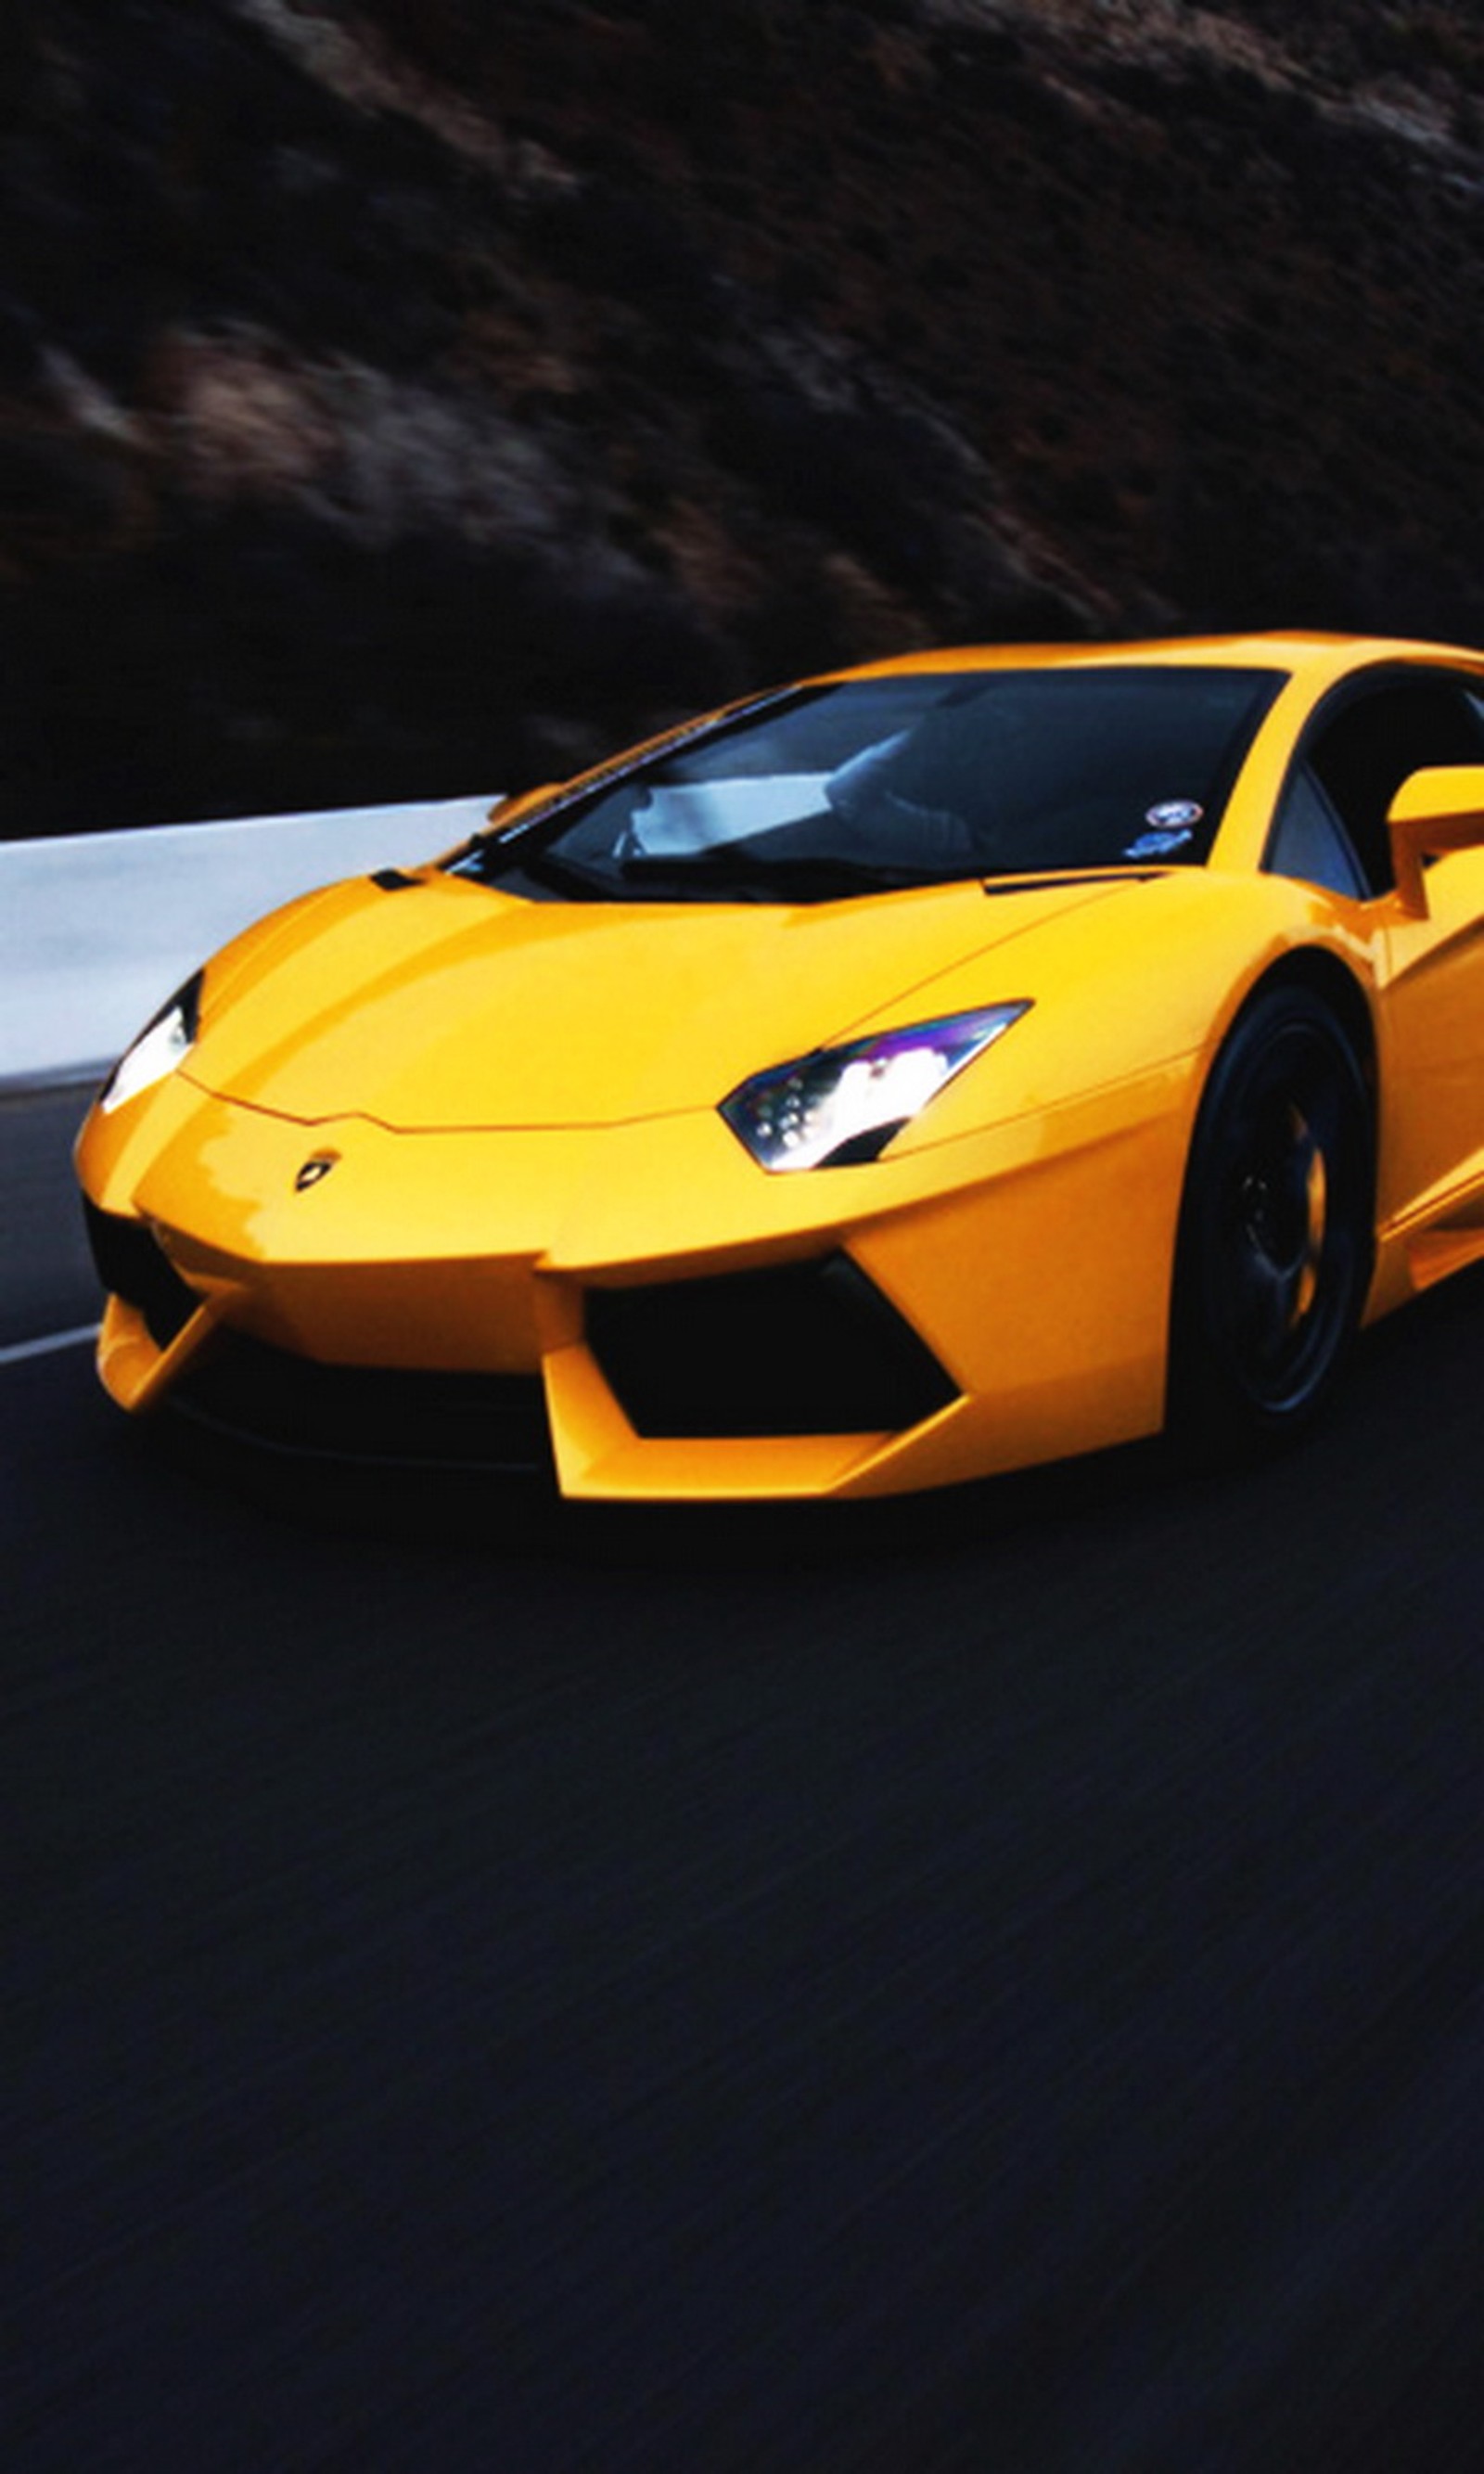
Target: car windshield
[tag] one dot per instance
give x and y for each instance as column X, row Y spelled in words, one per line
column 926, row 777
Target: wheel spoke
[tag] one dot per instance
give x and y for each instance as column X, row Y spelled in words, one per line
column 1279, row 1219
column 1264, row 1296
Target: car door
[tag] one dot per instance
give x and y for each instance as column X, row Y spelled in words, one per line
column 1360, row 749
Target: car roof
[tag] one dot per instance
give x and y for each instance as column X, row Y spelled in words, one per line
column 1320, row 654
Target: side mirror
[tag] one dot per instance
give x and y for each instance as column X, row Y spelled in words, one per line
column 1439, row 808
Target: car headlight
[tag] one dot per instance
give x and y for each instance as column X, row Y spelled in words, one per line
column 166, row 1037
column 843, row 1105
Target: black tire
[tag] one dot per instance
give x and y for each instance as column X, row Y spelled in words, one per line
column 1277, row 1229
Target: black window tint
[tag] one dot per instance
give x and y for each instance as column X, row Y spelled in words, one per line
column 1311, row 843
column 928, row 776
column 1363, row 755
column 1063, row 769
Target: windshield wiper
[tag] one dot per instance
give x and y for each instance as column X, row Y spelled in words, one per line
column 756, row 876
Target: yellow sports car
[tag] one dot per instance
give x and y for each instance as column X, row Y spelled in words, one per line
column 921, row 1072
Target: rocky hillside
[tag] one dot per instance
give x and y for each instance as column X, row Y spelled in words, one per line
column 401, row 397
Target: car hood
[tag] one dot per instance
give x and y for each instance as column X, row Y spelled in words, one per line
column 447, row 1004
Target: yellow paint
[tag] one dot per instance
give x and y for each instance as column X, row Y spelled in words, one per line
column 522, row 1101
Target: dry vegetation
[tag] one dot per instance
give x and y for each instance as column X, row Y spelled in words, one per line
column 404, row 396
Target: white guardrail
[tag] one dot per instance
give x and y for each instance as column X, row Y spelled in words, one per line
column 97, row 929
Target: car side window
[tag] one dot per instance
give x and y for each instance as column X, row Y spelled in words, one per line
column 1360, row 757
column 1309, row 842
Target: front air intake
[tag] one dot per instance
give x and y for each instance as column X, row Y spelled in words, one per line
column 812, row 1349
column 403, row 1417
column 134, row 1267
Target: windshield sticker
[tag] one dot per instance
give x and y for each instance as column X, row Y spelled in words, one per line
column 1172, row 825
column 1160, row 845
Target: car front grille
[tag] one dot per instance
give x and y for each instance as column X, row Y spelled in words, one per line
column 812, row 1349
column 264, row 1396
column 134, row 1267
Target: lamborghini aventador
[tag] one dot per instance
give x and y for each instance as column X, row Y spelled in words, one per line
column 914, row 1074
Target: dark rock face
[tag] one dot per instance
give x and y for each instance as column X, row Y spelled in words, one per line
column 400, row 396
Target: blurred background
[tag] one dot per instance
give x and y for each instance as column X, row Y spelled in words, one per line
column 407, row 397
column 996, row 1984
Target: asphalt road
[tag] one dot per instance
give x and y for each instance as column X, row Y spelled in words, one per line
column 46, row 1282
column 994, row 1985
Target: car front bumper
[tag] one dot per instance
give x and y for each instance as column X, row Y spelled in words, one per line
column 669, row 1318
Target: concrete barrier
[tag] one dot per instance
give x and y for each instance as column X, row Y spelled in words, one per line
column 97, row 929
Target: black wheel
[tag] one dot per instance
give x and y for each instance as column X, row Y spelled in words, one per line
column 1276, row 1235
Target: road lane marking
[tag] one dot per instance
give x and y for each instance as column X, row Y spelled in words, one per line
column 15, row 1350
